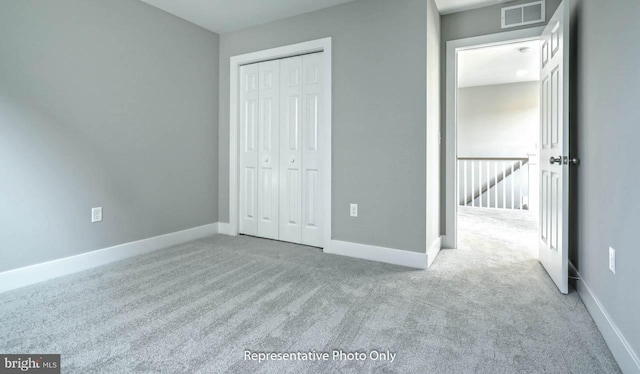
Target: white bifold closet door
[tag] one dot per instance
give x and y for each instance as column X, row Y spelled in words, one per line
column 280, row 166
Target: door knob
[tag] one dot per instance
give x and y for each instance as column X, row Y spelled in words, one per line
column 266, row 159
column 556, row 160
column 293, row 160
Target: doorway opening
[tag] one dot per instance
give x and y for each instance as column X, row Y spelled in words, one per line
column 497, row 145
column 553, row 158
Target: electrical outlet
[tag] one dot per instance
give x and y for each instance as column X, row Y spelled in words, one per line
column 96, row 214
column 612, row 260
column 354, row 210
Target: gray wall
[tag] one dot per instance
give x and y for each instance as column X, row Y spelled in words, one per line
column 433, row 122
column 606, row 117
column 466, row 24
column 102, row 103
column 499, row 120
column 379, row 114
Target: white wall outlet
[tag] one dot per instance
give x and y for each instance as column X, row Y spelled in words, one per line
column 96, row 214
column 353, row 210
column 612, row 260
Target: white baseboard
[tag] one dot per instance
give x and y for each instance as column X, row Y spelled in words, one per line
column 28, row 275
column 618, row 344
column 433, row 250
column 447, row 242
column 224, row 228
column 380, row 254
column 367, row 252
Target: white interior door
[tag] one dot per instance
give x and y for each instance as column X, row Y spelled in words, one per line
column 268, row 148
column 290, row 149
column 311, row 157
column 248, row 202
column 554, row 160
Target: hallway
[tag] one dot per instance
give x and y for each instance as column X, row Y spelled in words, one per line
column 489, row 230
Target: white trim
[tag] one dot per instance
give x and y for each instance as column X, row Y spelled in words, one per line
column 620, row 348
column 319, row 45
column 450, row 240
column 433, row 251
column 28, row 275
column 225, row 229
column 380, row 254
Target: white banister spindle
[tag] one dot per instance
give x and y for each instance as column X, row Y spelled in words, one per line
column 504, row 185
column 473, row 183
column 495, row 186
column 480, row 180
column 488, row 184
column 513, row 188
column 465, row 183
column 459, row 190
column 520, row 174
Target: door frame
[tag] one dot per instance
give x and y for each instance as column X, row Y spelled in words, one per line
column 450, row 237
column 319, row 45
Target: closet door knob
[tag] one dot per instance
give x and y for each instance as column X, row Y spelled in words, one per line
column 293, row 160
column 266, row 159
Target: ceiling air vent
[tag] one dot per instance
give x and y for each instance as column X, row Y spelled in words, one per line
column 523, row 14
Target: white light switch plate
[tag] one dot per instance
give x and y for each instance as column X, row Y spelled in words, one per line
column 354, row 210
column 96, row 214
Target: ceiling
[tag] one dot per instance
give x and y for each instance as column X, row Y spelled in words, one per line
column 499, row 64
column 452, row 6
column 222, row 16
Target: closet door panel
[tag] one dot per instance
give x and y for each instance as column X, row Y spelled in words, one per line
column 312, row 122
column 249, row 112
column 269, row 150
column 291, row 102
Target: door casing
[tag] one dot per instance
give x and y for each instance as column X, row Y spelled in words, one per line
column 324, row 134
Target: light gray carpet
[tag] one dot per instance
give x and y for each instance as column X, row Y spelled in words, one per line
column 487, row 307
